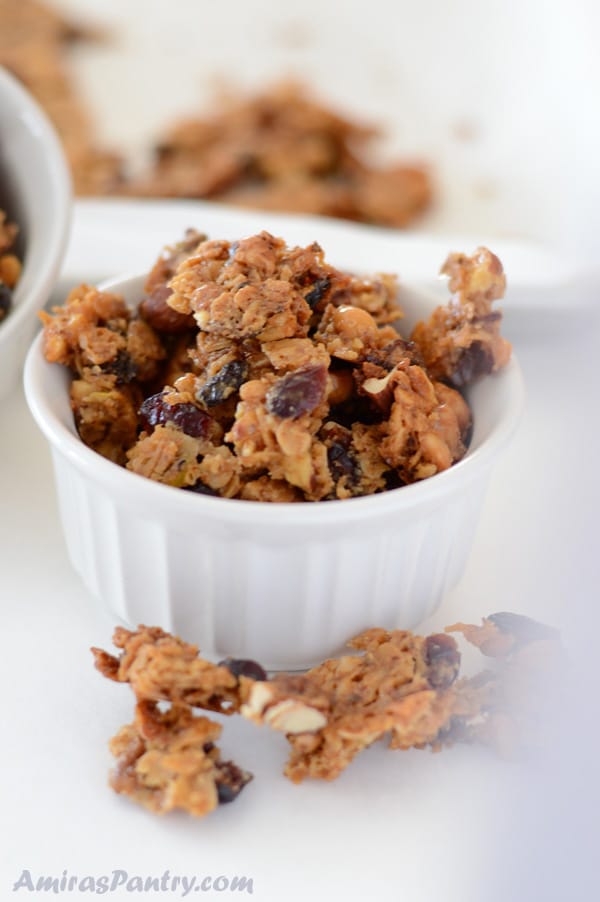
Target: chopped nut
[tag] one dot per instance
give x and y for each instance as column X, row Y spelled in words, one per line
column 293, row 717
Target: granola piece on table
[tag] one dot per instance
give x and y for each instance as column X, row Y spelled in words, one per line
column 401, row 684
column 162, row 667
column 168, row 760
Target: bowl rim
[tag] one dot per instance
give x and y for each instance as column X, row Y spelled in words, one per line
column 59, row 193
column 152, row 496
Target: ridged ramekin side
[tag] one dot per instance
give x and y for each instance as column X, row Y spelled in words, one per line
column 253, row 592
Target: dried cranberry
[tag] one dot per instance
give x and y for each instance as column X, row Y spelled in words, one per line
column 443, row 660
column 231, row 780
column 342, row 463
column 297, row 392
column 224, row 383
column 155, row 411
column 244, row 667
column 122, row 367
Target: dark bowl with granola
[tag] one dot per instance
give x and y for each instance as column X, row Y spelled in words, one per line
column 35, row 202
column 267, row 453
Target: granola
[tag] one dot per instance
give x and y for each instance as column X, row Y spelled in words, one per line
column 35, row 41
column 160, row 667
column 400, row 685
column 258, row 371
column 282, row 150
column 462, row 340
column 10, row 264
column 396, row 685
column 278, row 150
column 113, row 355
column 168, row 759
column 407, row 688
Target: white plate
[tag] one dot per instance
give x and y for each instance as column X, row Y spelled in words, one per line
column 126, row 235
column 396, row 826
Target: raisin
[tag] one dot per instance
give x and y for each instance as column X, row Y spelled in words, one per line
column 155, row 411
column 474, row 361
column 297, row 392
column 122, row 367
column 342, row 463
column 231, row 780
column 160, row 316
column 319, row 289
column 5, row 300
column 443, row 660
column 222, row 385
column 522, row 628
column 200, row 489
column 393, row 480
column 244, row 667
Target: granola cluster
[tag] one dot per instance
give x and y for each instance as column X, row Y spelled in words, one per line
column 168, row 759
column 10, row 265
column 258, row 371
column 281, row 150
column 397, row 685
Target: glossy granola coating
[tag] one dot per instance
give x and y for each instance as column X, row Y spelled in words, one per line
column 169, row 760
column 10, row 265
column 407, row 688
column 400, row 685
column 427, row 425
column 162, row 667
column 113, row 354
column 275, row 429
column 461, row 341
column 281, row 150
column 105, row 414
column 397, row 686
column 95, row 333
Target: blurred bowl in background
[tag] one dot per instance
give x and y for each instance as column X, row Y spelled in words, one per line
column 35, row 191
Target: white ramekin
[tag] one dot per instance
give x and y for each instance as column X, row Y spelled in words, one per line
column 285, row 584
column 35, row 183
